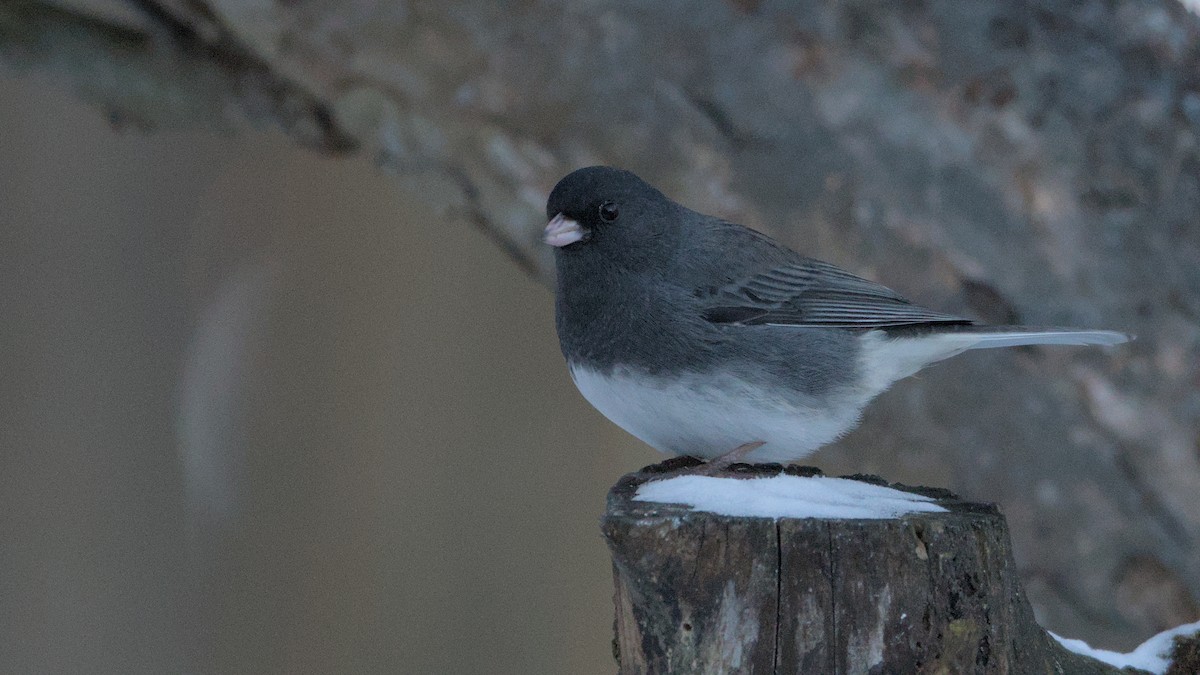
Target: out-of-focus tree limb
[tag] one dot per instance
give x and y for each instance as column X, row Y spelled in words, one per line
column 161, row 76
column 180, row 67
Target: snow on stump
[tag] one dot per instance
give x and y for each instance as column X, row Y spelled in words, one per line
column 785, row 571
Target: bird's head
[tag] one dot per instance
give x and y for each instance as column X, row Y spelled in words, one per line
column 602, row 212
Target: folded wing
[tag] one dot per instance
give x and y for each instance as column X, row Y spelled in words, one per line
column 814, row 293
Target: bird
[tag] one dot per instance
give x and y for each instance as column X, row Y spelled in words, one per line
column 708, row 339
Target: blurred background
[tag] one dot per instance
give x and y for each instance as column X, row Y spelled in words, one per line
column 281, row 391
column 264, row 412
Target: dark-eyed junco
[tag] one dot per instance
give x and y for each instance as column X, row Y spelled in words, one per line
column 704, row 338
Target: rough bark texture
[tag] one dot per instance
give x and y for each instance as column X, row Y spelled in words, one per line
column 1033, row 161
column 927, row 593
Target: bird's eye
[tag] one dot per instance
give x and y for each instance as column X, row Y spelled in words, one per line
column 609, row 212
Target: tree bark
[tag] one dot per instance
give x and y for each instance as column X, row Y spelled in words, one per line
column 698, row 592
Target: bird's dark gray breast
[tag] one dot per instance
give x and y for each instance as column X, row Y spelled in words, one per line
column 610, row 320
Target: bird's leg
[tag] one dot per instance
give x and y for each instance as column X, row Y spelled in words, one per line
column 715, row 465
column 722, row 462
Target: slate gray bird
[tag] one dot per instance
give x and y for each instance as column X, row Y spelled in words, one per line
column 705, row 338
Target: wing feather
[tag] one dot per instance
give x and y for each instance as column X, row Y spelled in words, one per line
column 815, row 293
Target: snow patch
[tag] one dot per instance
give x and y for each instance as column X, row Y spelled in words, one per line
column 785, row 496
column 1193, row 5
column 1153, row 655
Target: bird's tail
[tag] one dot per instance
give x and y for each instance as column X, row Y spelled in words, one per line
column 895, row 354
column 986, row 337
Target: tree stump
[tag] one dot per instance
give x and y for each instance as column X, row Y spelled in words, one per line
column 698, row 592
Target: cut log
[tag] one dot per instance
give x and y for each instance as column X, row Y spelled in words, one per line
column 698, row 592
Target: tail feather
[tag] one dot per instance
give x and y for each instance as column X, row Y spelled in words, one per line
column 889, row 356
column 987, row 337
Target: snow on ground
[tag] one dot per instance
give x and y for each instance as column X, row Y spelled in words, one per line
column 1152, row 655
column 785, row 496
column 1193, row 5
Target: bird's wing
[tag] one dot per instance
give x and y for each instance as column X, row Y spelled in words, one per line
column 813, row 293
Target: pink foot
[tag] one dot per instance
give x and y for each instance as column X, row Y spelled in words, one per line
column 718, row 464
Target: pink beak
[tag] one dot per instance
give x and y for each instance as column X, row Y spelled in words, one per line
column 562, row 231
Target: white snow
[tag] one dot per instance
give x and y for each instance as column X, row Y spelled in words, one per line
column 1152, row 655
column 785, row 496
column 1193, row 5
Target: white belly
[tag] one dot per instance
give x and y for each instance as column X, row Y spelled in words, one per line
column 706, row 419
